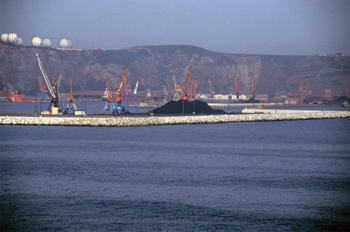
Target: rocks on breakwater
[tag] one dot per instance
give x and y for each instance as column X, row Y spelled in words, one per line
column 118, row 121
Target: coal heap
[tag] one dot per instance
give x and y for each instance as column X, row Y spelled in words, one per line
column 175, row 107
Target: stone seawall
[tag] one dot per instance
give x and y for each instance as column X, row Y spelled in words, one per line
column 119, row 121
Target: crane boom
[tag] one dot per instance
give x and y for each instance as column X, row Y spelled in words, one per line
column 187, row 86
column 46, row 79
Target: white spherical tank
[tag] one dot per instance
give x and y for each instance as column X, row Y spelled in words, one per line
column 5, row 38
column 47, row 43
column 64, row 43
column 19, row 41
column 36, row 41
column 13, row 38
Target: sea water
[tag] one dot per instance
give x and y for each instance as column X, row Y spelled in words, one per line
column 257, row 176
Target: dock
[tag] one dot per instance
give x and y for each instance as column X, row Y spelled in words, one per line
column 159, row 120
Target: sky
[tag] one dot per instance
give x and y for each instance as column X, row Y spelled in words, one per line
column 276, row 27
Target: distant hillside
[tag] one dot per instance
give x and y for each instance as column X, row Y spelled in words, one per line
column 89, row 68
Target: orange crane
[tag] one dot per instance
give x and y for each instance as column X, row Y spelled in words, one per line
column 238, row 87
column 254, row 93
column 109, row 107
column 303, row 89
column 186, row 87
column 118, row 97
column 71, row 107
column 211, row 89
column 193, row 90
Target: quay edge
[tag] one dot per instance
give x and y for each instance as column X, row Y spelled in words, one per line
column 132, row 121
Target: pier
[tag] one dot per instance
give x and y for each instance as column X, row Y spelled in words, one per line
column 133, row 121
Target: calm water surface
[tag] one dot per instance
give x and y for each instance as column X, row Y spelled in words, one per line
column 265, row 176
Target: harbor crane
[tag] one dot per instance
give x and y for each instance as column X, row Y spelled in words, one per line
column 303, row 90
column 118, row 97
column 186, row 87
column 109, row 107
column 178, row 90
column 53, row 90
column 211, row 89
column 193, row 90
column 71, row 107
column 237, row 86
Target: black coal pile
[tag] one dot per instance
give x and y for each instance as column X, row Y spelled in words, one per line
column 175, row 107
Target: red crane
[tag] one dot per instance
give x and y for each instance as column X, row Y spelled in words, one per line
column 118, row 97
column 254, row 93
column 71, row 98
column 193, row 90
column 186, row 87
column 238, row 87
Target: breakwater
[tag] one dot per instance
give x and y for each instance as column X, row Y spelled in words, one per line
column 132, row 121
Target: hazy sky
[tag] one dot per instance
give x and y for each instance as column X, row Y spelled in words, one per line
column 281, row 27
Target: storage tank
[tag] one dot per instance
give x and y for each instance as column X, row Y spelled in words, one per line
column 36, row 41
column 5, row 38
column 65, row 43
column 13, row 38
column 47, row 43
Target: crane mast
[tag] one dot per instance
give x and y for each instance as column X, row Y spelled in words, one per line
column 71, row 98
column 186, row 87
column 178, row 90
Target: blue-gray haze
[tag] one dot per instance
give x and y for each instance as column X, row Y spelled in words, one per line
column 289, row 27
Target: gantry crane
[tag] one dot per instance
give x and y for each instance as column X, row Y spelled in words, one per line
column 211, row 89
column 71, row 107
column 186, row 87
column 53, row 90
column 193, row 90
column 238, row 87
column 178, row 90
column 254, row 93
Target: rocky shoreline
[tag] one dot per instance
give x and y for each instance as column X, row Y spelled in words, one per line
column 132, row 121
